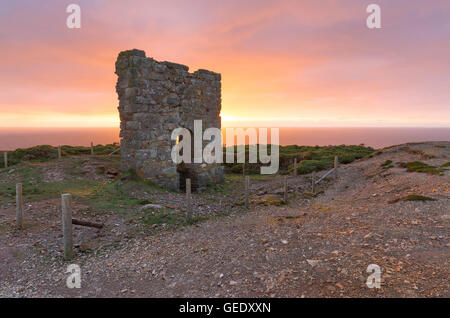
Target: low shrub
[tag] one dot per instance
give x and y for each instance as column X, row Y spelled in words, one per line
column 416, row 197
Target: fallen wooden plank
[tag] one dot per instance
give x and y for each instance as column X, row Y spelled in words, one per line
column 87, row 223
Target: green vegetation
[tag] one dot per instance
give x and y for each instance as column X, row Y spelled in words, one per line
column 99, row 195
column 308, row 166
column 386, row 163
column 47, row 153
column 49, row 179
column 416, row 197
column 170, row 218
column 98, row 150
column 418, row 166
column 37, row 153
column 44, row 177
column 446, row 165
column 3, row 228
column 34, row 189
column 376, row 153
column 309, row 158
column 115, row 195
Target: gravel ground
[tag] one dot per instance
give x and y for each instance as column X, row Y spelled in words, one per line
column 311, row 247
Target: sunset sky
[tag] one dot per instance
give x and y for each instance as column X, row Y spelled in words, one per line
column 283, row 63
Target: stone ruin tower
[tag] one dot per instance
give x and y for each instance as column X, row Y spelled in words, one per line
column 154, row 99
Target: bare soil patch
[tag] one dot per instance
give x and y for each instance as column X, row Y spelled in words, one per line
column 315, row 246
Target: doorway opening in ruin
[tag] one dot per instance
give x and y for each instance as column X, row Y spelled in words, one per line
column 187, row 170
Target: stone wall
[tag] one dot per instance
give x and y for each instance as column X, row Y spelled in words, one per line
column 155, row 98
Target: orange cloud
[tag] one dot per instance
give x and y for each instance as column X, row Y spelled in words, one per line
column 284, row 63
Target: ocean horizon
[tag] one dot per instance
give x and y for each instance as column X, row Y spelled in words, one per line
column 376, row 137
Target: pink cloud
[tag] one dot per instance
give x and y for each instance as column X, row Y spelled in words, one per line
column 286, row 58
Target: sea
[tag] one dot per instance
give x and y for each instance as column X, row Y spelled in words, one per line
column 376, row 137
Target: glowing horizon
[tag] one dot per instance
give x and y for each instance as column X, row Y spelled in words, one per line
column 283, row 63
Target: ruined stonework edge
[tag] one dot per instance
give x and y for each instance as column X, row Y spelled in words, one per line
column 140, row 53
column 155, row 98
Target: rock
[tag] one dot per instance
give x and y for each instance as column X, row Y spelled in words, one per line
column 144, row 83
column 313, row 262
column 113, row 172
column 88, row 246
column 279, row 191
column 151, row 206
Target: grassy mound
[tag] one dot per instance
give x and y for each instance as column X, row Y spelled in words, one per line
column 418, row 166
column 46, row 153
column 309, row 158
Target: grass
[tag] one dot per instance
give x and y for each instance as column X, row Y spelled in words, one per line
column 3, row 228
column 37, row 154
column 421, row 167
column 308, row 166
column 122, row 195
column 387, row 164
column 46, row 190
column 309, row 158
column 101, row 195
column 237, row 178
column 115, row 195
column 80, row 150
column 170, row 218
column 416, row 197
column 446, row 165
column 270, row 199
column 36, row 188
column 45, row 153
column 375, row 153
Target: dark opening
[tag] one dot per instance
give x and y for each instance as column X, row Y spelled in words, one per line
column 187, row 170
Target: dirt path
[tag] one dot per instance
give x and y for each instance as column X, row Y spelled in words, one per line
column 309, row 248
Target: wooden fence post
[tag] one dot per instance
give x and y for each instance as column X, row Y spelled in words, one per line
column 59, row 152
column 295, row 166
column 336, row 164
column 189, row 200
column 313, row 182
column 92, row 148
column 247, row 186
column 243, row 169
column 5, row 158
column 19, row 206
column 67, row 225
column 285, row 189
